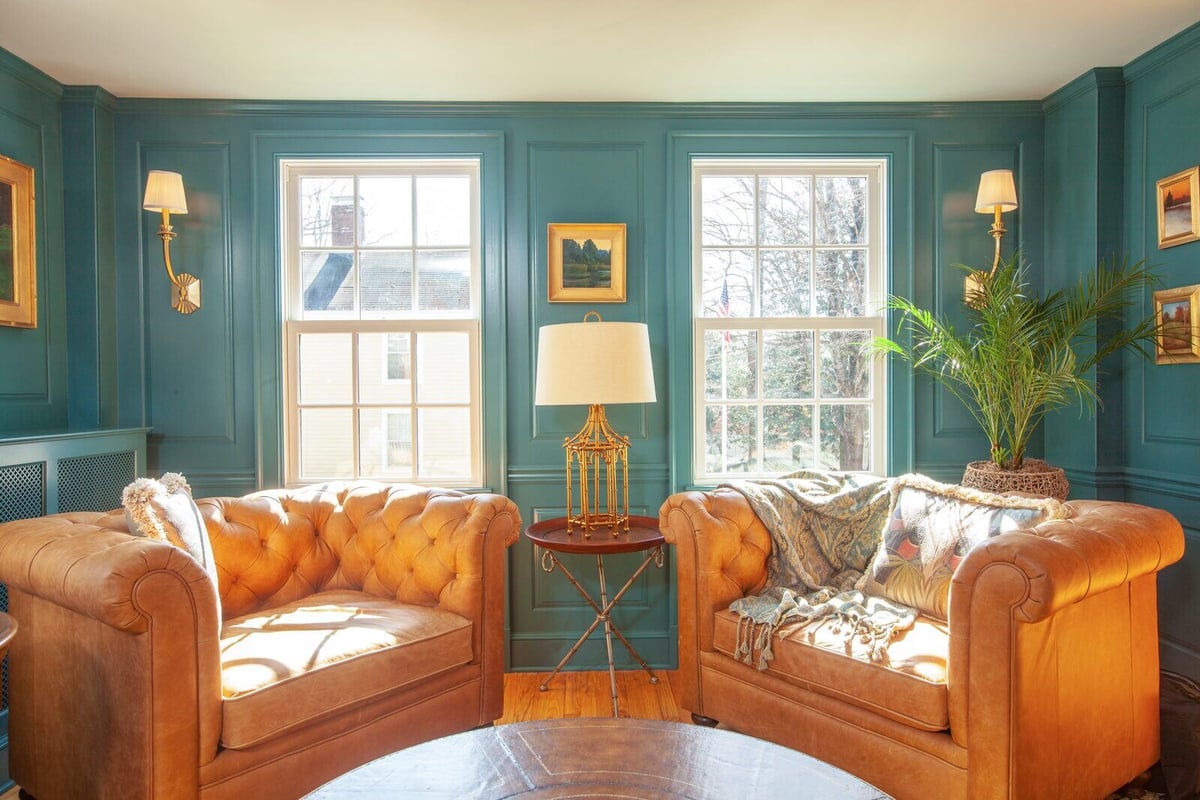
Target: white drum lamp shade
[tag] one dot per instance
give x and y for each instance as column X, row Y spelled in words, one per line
column 594, row 363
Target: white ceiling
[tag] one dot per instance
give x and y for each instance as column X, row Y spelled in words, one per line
column 567, row 50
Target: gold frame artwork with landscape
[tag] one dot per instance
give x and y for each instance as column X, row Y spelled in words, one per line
column 1178, row 208
column 586, row 263
column 1178, row 337
column 18, row 270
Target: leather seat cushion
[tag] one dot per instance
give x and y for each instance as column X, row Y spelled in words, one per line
column 283, row 667
column 910, row 688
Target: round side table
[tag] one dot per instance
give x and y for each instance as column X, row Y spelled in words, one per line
column 643, row 535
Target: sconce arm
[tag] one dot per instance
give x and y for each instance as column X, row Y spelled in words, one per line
column 167, row 233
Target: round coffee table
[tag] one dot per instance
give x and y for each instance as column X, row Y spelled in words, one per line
column 597, row 758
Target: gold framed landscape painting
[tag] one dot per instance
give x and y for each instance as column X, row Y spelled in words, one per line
column 18, row 272
column 1178, row 337
column 586, row 262
column 1179, row 208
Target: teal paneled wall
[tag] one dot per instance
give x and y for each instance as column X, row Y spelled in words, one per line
column 209, row 385
column 1084, row 204
column 1162, row 428
column 87, row 120
column 33, row 361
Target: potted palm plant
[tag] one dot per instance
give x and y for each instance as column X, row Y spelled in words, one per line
column 1023, row 356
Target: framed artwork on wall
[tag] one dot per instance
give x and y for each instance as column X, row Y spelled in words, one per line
column 18, row 271
column 586, row 262
column 1178, row 337
column 1179, row 208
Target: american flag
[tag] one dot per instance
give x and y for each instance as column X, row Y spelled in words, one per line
column 723, row 304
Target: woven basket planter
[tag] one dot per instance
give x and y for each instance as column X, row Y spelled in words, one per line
column 1035, row 477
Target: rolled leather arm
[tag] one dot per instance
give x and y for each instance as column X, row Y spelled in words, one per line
column 88, row 563
column 721, row 550
column 1101, row 546
column 1022, row 599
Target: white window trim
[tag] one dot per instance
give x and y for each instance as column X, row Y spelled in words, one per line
column 875, row 170
column 410, row 322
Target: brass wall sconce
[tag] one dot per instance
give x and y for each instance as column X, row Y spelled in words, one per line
column 593, row 363
column 997, row 194
column 164, row 192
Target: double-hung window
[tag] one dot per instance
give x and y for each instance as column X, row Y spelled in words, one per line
column 788, row 266
column 382, row 320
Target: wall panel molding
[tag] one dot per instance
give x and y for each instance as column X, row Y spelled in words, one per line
column 541, row 311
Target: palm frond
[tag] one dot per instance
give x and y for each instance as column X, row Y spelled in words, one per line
column 1025, row 355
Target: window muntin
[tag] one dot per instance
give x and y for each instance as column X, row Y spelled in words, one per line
column 788, row 266
column 382, row 299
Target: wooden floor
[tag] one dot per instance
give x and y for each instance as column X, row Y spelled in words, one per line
column 589, row 694
column 578, row 694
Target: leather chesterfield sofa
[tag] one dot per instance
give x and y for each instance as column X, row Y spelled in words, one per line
column 1043, row 683
column 354, row 619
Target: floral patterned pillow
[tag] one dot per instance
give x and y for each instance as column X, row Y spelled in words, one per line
column 931, row 527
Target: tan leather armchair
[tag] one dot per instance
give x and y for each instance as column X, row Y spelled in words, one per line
column 354, row 619
column 1043, row 683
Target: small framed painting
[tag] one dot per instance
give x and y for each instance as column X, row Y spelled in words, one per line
column 18, row 271
column 1178, row 337
column 586, row 263
column 1179, row 208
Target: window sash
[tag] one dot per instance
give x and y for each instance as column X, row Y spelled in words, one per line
column 873, row 321
column 298, row 323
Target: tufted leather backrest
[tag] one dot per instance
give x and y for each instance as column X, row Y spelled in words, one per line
column 391, row 540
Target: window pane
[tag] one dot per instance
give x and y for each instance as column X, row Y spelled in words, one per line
column 325, row 369
column 846, row 437
column 787, row 365
column 444, row 210
column 731, row 365
column 386, row 281
column 841, row 210
column 727, row 209
column 784, row 210
column 786, row 283
column 845, row 364
column 444, row 280
column 730, row 438
column 444, row 441
column 384, row 368
column 326, row 444
column 386, row 204
column 443, row 368
column 385, row 443
column 841, row 283
column 727, row 283
column 327, row 280
column 326, row 212
column 787, row 439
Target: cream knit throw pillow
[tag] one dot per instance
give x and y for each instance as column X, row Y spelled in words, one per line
column 164, row 510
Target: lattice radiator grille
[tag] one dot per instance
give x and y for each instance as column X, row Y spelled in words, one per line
column 22, row 492
column 22, row 495
column 94, row 483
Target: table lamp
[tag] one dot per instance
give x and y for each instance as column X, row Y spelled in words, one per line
column 997, row 194
column 593, row 363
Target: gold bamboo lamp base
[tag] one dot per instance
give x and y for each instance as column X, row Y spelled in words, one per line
column 602, row 457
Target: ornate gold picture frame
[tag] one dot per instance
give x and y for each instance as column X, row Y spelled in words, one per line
column 1178, row 204
column 586, row 263
column 1178, row 337
column 18, row 270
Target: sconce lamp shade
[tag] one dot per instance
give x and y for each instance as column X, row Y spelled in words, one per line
column 997, row 192
column 589, row 363
column 164, row 192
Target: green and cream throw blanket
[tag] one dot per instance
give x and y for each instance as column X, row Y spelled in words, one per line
column 824, row 530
